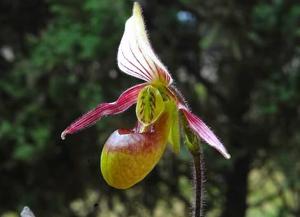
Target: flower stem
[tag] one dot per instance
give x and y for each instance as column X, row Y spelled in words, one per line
column 194, row 146
column 198, row 183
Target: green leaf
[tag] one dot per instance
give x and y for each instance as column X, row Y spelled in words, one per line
column 149, row 105
column 209, row 39
column 24, row 152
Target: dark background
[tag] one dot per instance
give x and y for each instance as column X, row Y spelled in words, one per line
column 237, row 63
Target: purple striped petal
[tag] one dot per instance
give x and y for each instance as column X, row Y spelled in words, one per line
column 136, row 56
column 125, row 100
column 203, row 131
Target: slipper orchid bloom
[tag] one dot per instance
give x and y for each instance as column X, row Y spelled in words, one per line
column 129, row 155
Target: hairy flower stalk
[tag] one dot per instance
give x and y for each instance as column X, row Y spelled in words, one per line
column 130, row 154
column 198, row 183
column 194, row 146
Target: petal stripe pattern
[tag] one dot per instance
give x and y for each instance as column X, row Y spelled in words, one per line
column 203, row 131
column 125, row 100
column 136, row 56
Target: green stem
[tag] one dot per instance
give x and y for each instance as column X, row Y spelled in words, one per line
column 198, row 183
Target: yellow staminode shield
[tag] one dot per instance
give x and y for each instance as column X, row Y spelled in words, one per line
column 149, row 105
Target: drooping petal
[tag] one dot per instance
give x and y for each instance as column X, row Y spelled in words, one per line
column 203, row 131
column 128, row 156
column 136, row 56
column 125, row 100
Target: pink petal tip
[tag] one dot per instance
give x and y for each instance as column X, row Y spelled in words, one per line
column 63, row 135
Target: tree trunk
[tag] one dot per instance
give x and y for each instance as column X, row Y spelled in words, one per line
column 237, row 185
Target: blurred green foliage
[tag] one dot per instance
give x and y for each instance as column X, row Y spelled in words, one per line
column 237, row 62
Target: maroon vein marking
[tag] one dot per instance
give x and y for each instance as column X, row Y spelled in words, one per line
column 147, row 60
column 132, row 71
column 139, row 72
column 139, row 48
column 143, row 74
column 140, row 62
column 157, row 68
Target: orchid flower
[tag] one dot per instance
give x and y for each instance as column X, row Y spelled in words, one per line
column 129, row 155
